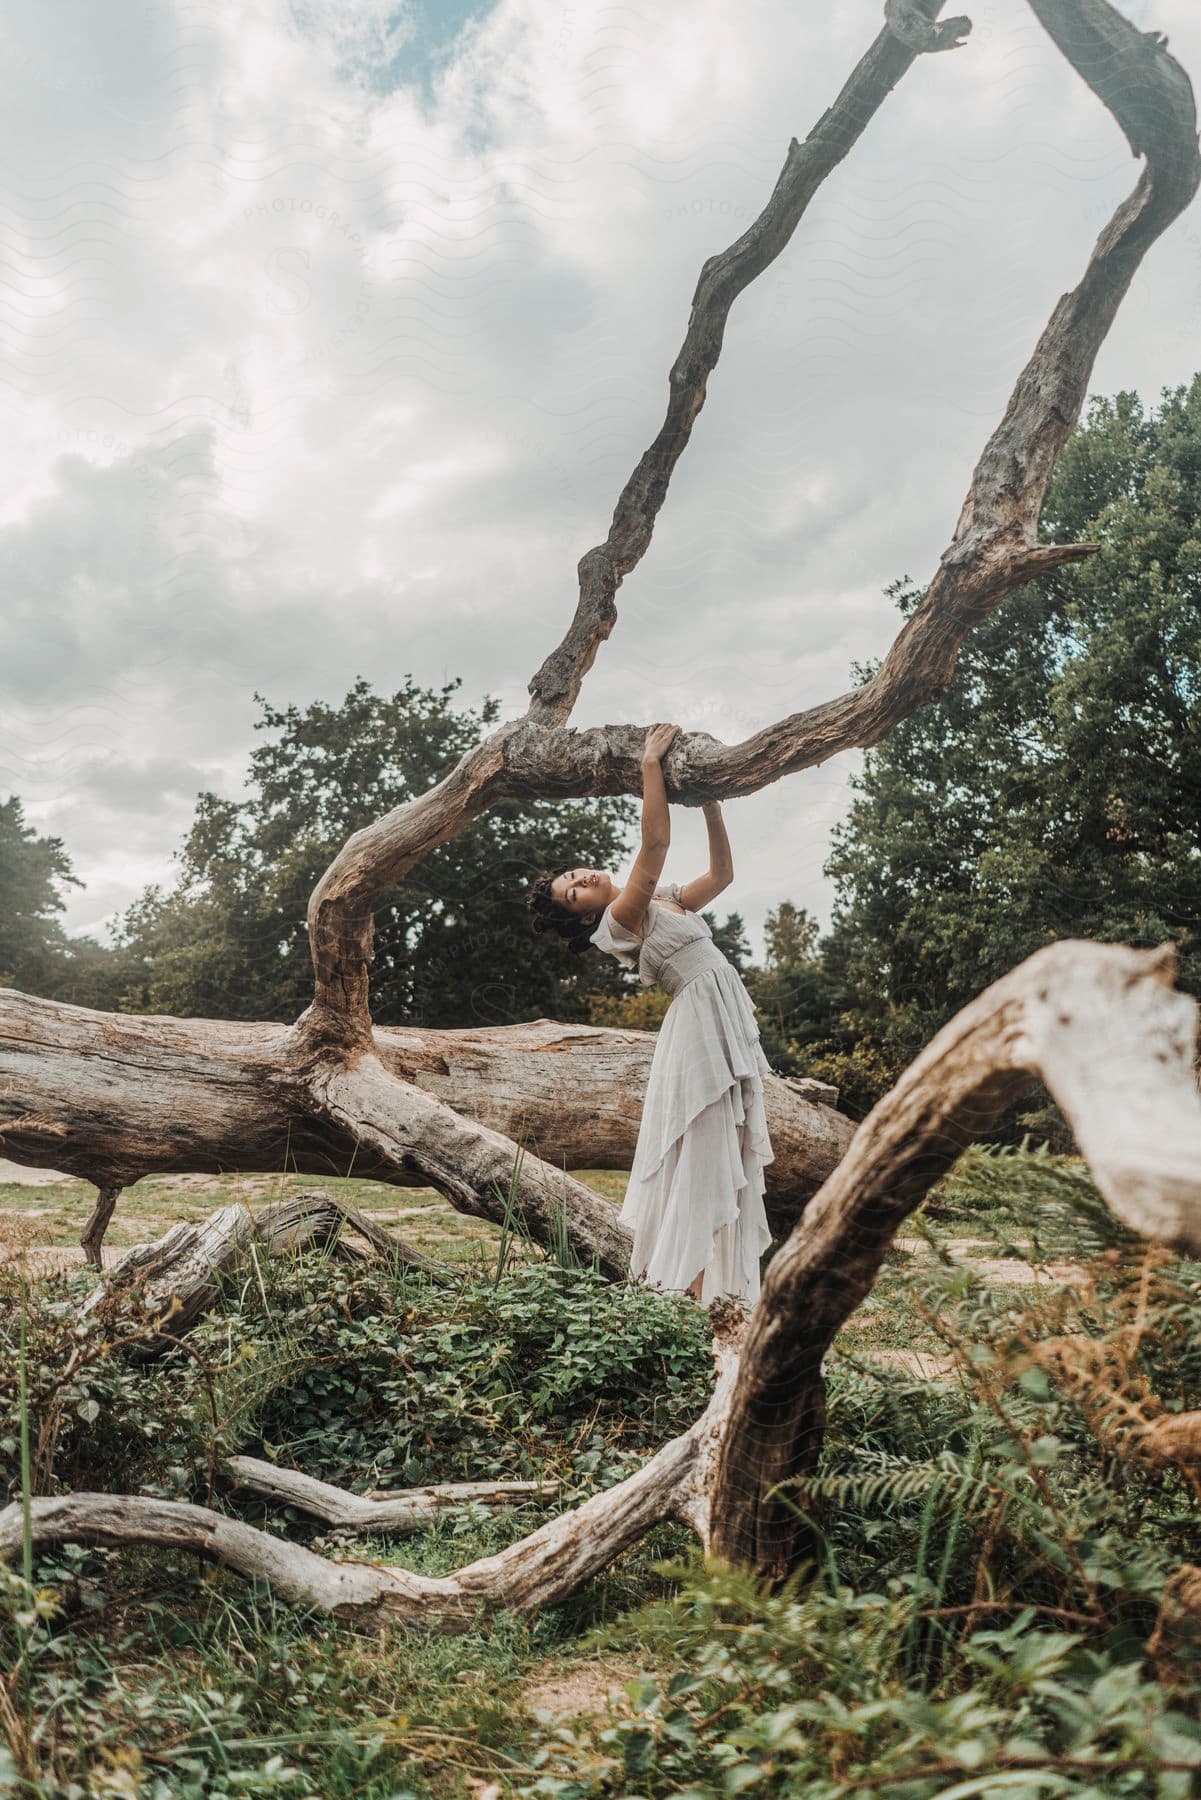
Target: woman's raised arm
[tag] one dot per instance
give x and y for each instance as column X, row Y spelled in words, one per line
column 629, row 908
column 698, row 893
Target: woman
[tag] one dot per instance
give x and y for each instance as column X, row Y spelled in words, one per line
column 695, row 1194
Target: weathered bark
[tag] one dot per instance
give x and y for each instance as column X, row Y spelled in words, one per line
column 907, row 33
column 365, row 1515
column 1114, row 1043
column 176, row 1278
column 97, row 1225
column 320, row 1221
column 1099, row 1024
column 474, row 1167
column 112, row 1097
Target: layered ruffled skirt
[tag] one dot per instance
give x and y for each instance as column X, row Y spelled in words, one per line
column 695, row 1194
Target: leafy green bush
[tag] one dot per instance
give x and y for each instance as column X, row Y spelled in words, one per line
column 357, row 1374
column 799, row 1692
column 98, row 1415
column 547, row 1369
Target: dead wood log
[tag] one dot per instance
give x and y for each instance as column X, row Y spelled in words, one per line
column 472, row 1166
column 363, row 1515
column 176, row 1278
column 113, row 1097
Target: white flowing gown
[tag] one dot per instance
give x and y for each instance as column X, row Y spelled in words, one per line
column 695, row 1195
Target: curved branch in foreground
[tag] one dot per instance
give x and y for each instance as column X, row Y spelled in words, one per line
column 994, row 548
column 540, row 1570
column 1103, row 1028
column 1112, row 1040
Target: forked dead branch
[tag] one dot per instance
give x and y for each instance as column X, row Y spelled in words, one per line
column 85, row 1092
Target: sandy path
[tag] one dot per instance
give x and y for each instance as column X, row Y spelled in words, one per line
column 19, row 1176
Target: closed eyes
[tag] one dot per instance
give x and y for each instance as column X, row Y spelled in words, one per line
column 571, row 892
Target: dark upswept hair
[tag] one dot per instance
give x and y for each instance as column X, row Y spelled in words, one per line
column 547, row 915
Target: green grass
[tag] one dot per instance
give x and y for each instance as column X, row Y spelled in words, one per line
column 54, row 1215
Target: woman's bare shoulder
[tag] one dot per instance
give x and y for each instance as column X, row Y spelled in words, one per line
column 628, row 912
column 635, row 916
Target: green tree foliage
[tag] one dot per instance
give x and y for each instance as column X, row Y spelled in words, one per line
column 33, row 871
column 36, row 955
column 792, row 991
column 1054, row 792
column 453, row 945
column 730, row 938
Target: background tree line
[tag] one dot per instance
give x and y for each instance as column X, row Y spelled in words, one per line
column 1053, row 793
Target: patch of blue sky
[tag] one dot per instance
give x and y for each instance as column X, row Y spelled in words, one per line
column 384, row 47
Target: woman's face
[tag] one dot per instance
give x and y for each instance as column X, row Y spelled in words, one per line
column 583, row 890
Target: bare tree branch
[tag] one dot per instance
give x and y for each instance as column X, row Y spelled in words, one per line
column 914, row 28
column 1114, row 1042
column 908, row 32
column 994, row 548
column 366, row 1515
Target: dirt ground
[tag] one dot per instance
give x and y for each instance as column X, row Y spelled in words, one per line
column 586, row 1688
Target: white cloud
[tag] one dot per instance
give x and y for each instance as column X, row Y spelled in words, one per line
column 330, row 331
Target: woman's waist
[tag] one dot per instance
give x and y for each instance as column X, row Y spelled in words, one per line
column 686, row 961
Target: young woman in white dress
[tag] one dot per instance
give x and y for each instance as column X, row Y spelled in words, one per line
column 695, row 1194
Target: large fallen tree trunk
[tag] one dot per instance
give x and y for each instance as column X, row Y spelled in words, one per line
column 1115, row 1044
column 112, row 1097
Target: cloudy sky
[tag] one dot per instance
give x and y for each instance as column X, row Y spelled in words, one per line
column 331, row 329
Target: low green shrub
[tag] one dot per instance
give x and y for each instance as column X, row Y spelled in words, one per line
column 545, row 1370
column 358, row 1374
column 801, row 1692
column 1000, row 1601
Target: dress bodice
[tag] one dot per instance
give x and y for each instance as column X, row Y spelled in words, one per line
column 674, row 949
